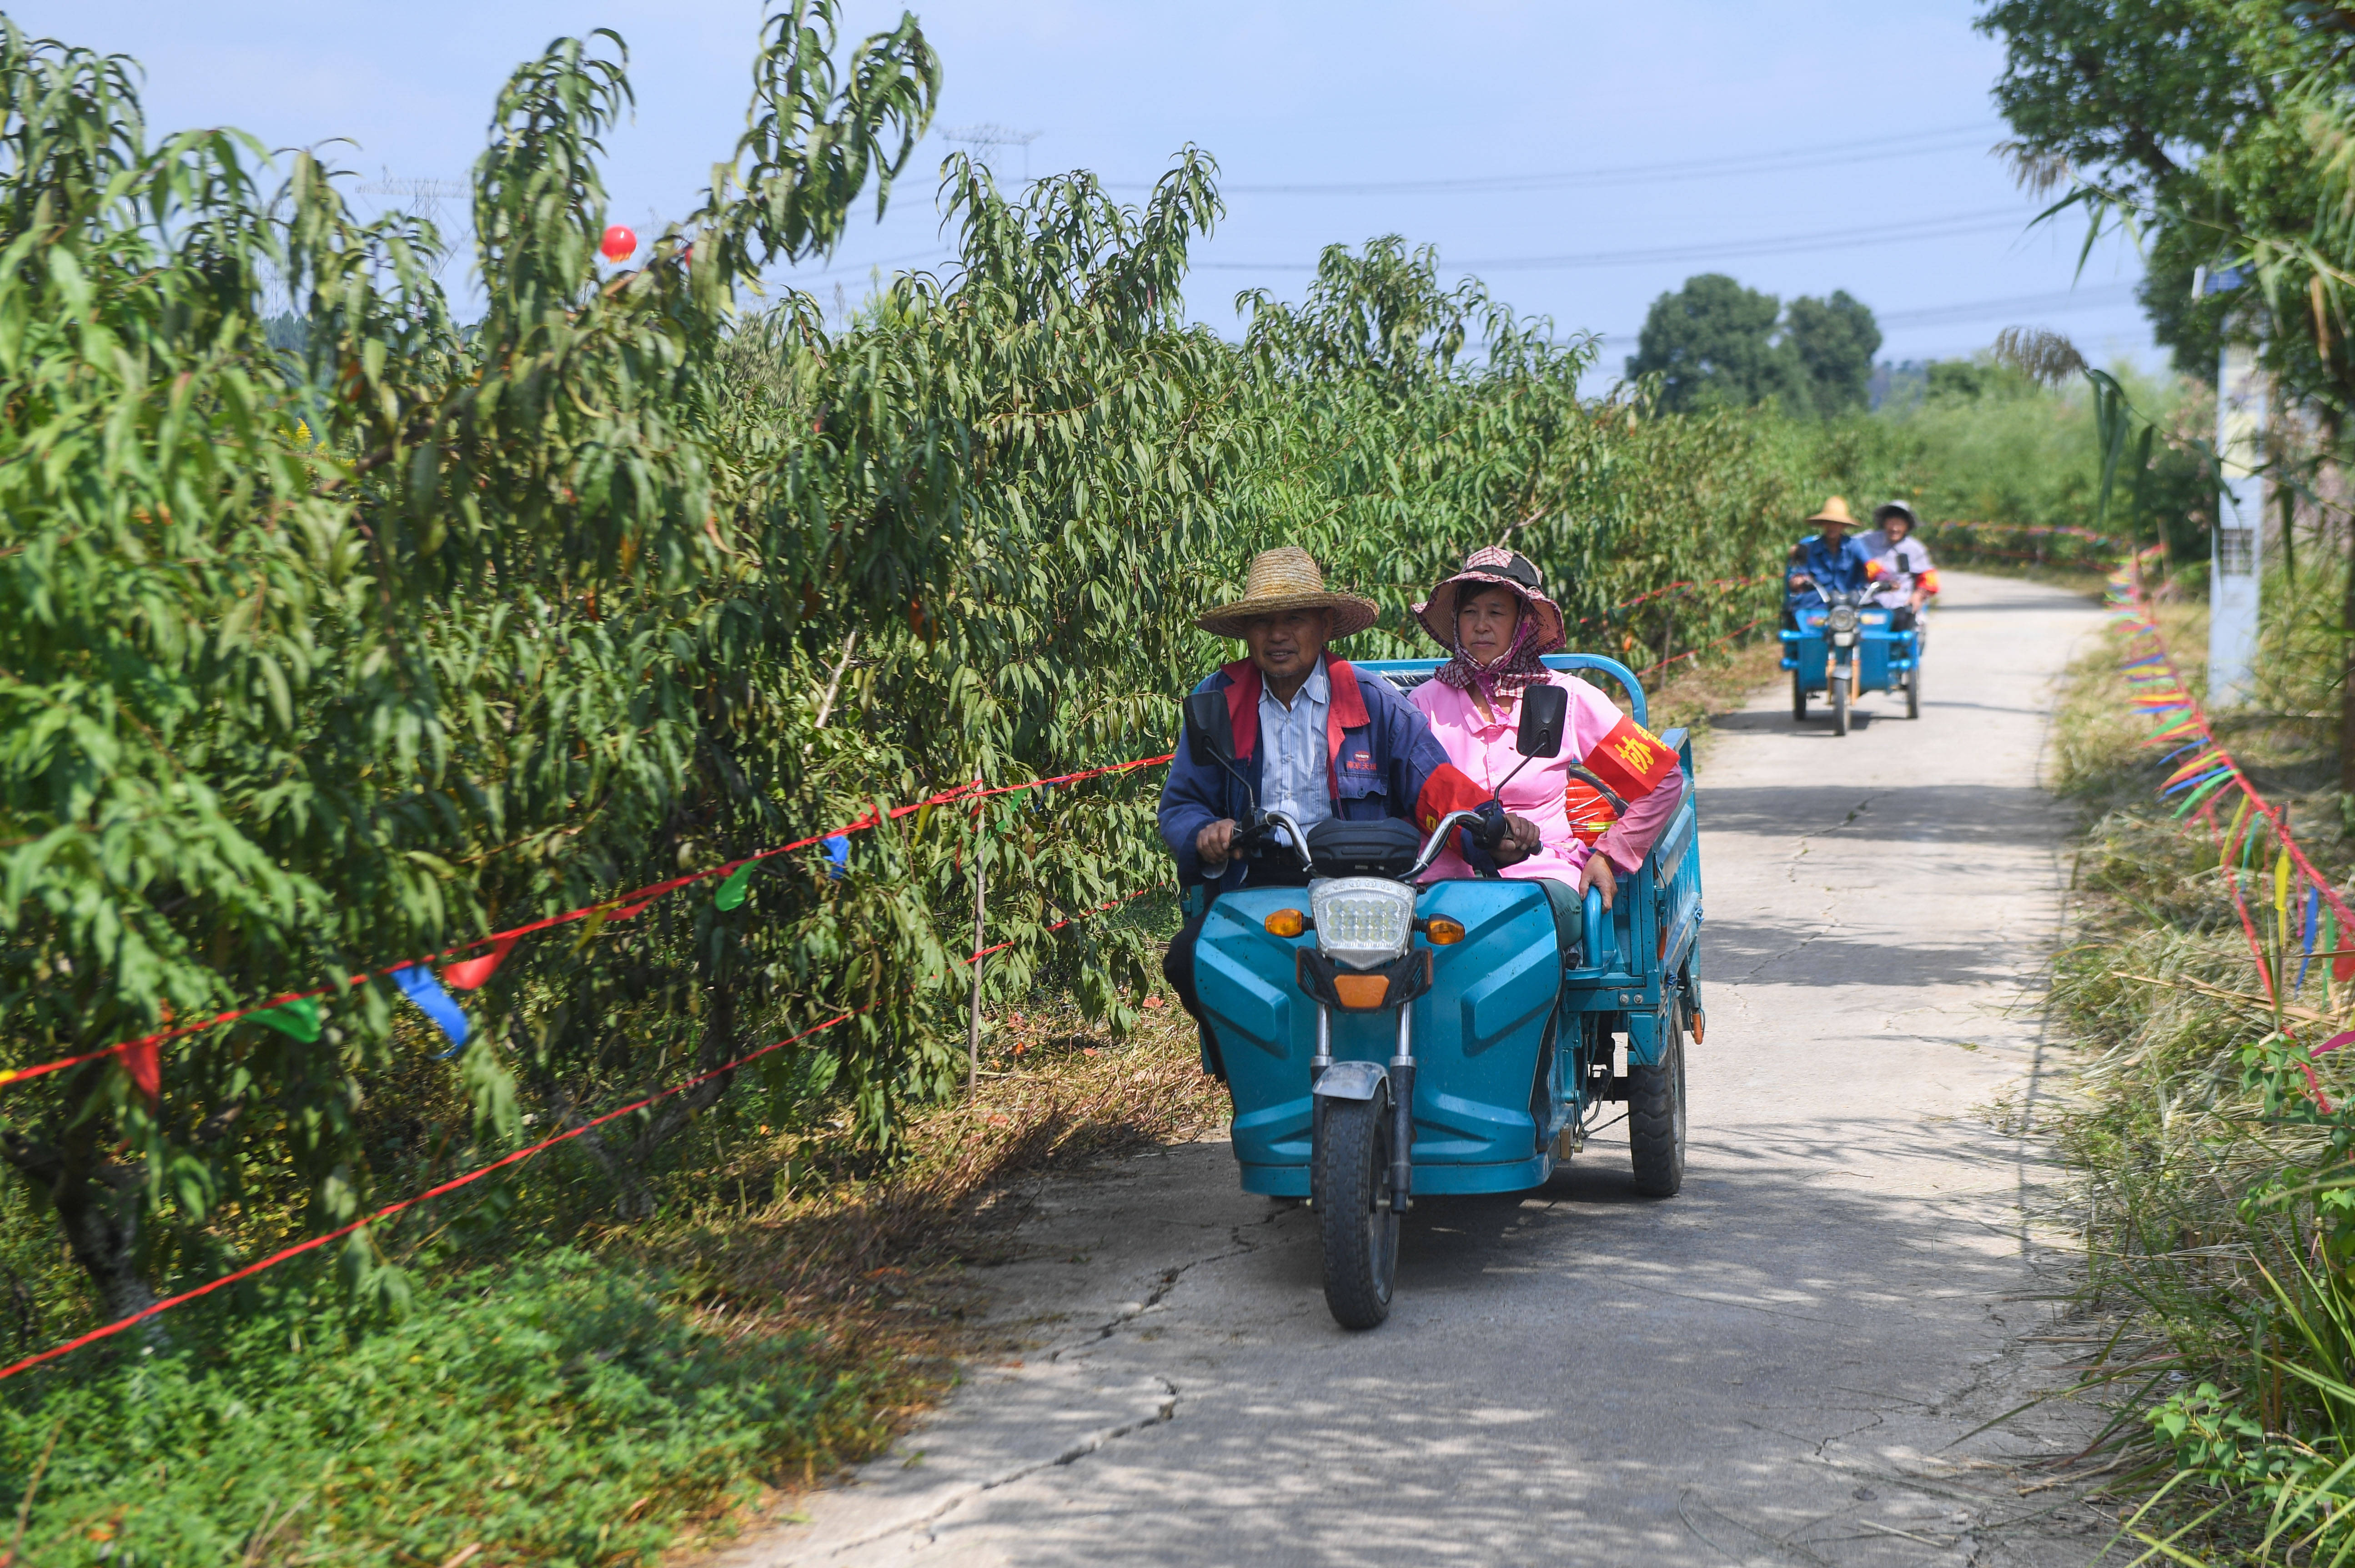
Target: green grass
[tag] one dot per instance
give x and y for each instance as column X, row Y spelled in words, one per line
column 564, row 1409
column 609, row 1389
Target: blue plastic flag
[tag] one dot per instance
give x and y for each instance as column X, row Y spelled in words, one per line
column 2313, row 920
column 838, row 857
column 418, row 983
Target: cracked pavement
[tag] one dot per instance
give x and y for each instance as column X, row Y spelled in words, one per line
column 1812, row 1356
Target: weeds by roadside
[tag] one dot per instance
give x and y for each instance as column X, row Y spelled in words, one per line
column 2215, row 1213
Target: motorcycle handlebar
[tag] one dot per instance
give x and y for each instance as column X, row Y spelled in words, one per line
column 1492, row 831
column 1260, row 834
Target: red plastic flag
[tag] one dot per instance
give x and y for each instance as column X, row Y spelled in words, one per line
column 470, row 974
column 144, row 1061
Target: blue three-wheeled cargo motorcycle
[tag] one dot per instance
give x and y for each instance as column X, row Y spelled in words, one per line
column 1386, row 1042
column 1841, row 645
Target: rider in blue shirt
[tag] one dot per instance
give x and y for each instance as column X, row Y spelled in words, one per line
column 1830, row 561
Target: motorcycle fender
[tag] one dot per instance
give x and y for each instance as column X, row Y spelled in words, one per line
column 1351, row 1080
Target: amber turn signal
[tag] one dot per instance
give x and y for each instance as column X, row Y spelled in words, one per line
column 1442, row 932
column 1362, row 990
column 1286, row 923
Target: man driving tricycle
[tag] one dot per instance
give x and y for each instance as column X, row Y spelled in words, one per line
column 1386, row 1035
column 1850, row 626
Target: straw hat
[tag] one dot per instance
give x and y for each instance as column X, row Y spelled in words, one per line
column 1497, row 567
column 1287, row 579
column 1835, row 511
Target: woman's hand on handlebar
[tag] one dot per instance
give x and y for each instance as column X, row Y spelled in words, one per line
column 1520, row 840
column 1216, row 842
column 1599, row 876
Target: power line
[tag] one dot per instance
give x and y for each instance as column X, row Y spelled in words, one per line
column 2064, row 302
column 1955, row 226
column 1949, row 138
column 937, row 251
column 2109, row 296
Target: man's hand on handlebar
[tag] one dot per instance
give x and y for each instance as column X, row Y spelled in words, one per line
column 1215, row 843
column 1599, row 876
column 1520, row 840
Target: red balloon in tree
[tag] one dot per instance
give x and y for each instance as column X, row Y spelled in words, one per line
column 619, row 244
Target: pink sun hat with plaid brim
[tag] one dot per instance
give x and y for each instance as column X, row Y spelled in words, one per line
column 1496, row 567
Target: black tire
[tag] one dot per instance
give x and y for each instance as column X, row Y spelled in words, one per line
column 1656, row 1115
column 1798, row 697
column 1913, row 689
column 1839, row 704
column 1351, row 1181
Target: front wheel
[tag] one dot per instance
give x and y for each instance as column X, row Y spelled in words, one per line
column 1351, row 1182
column 1840, row 702
column 1798, row 696
column 1913, row 689
column 1656, row 1113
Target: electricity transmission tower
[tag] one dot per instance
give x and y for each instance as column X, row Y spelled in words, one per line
column 986, row 140
column 427, row 199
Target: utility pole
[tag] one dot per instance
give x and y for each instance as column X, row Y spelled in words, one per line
column 2236, row 561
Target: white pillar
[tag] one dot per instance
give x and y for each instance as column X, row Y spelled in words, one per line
column 2237, row 565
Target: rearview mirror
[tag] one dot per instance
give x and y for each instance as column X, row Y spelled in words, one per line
column 1544, row 711
column 1208, row 723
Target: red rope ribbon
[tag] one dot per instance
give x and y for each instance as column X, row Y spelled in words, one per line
column 314, row 1243
column 619, row 907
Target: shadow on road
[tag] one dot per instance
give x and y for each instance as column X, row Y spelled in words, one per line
column 1613, row 1360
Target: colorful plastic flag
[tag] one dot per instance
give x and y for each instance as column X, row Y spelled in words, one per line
column 298, row 1020
column 418, row 983
column 838, row 857
column 2313, row 926
column 2281, row 896
column 470, row 974
column 736, row 888
column 144, row 1062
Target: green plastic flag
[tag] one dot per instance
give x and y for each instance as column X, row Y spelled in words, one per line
column 736, row 888
column 298, row 1020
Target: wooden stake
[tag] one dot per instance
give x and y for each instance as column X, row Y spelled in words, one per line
column 973, row 1023
column 834, row 681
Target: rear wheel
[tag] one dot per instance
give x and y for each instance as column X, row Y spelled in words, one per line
column 1656, row 1113
column 1798, row 695
column 1840, row 703
column 1351, row 1181
column 1913, row 689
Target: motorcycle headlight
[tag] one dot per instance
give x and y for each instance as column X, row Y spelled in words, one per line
column 1362, row 921
column 1842, row 618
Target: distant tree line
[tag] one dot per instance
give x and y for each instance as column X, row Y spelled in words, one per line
column 1715, row 344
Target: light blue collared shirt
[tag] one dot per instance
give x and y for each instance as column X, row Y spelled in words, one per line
column 1293, row 765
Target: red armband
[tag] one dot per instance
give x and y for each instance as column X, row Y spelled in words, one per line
column 1631, row 759
column 1874, row 571
column 1449, row 788
column 1929, row 580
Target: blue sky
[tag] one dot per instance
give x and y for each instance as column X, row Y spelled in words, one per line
column 1816, row 125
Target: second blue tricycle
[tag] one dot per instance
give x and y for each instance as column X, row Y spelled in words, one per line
column 1842, row 644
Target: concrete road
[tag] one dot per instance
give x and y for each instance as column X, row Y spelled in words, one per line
column 1782, row 1365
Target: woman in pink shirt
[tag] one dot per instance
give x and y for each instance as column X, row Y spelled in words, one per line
column 1495, row 621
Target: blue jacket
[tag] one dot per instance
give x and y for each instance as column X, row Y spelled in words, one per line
column 1380, row 760
column 1837, row 570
